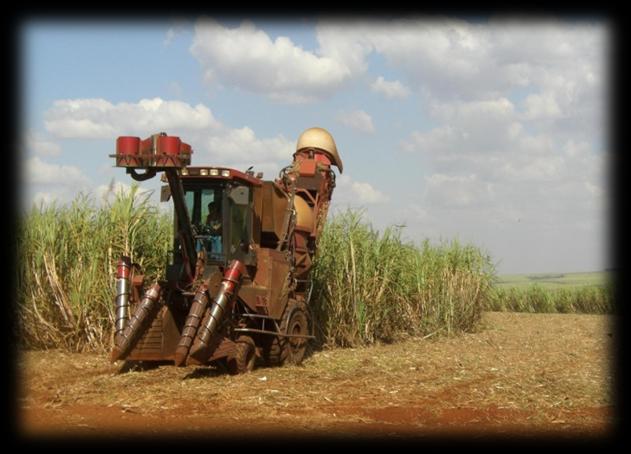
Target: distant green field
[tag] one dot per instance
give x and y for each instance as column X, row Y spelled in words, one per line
column 555, row 280
column 590, row 293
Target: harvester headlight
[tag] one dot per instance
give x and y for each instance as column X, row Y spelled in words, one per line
column 214, row 172
column 185, row 171
column 225, row 173
column 203, row 171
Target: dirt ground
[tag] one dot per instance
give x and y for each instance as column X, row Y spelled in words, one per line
column 520, row 374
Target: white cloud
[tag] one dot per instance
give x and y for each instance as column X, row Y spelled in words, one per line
column 357, row 120
column 45, row 182
column 442, row 58
column 494, row 141
column 212, row 142
column 240, row 148
column 440, row 53
column 352, row 193
column 563, row 69
column 36, row 143
column 516, row 176
column 248, row 58
column 99, row 118
column 39, row 172
column 367, row 194
column 542, row 106
column 390, row 89
column 449, row 191
column 178, row 27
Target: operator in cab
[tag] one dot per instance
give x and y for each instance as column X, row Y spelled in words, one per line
column 213, row 221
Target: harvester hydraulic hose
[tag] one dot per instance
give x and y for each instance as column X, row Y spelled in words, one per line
column 127, row 339
column 227, row 292
column 123, row 291
column 200, row 303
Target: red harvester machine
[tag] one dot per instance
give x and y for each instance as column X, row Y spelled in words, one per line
column 237, row 285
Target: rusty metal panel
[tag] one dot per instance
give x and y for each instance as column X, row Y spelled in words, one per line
column 311, row 183
column 171, row 331
column 267, row 218
column 264, row 268
column 274, row 208
column 255, row 297
column 257, row 198
column 307, row 167
column 271, row 275
column 278, row 284
column 149, row 346
column 160, row 340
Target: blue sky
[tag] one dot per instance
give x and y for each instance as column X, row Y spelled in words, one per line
column 492, row 132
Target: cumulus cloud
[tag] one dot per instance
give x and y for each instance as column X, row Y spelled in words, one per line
column 241, row 148
column 357, row 120
column 179, row 27
column 212, row 141
column 561, row 73
column 497, row 142
column 250, row 59
column 440, row 53
column 37, row 144
column 463, row 58
column 440, row 58
column 542, row 106
column 517, row 172
column 448, row 191
column 390, row 89
column 40, row 172
column 99, row 118
column 46, row 182
column 352, row 193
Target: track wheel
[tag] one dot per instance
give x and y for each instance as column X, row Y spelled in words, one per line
column 281, row 350
column 298, row 325
column 244, row 357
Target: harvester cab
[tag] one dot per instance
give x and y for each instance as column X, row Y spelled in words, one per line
column 237, row 285
column 220, row 205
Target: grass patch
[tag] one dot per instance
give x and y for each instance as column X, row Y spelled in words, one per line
column 66, row 265
column 536, row 298
column 556, row 280
column 372, row 286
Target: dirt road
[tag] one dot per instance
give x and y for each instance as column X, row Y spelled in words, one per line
column 520, row 374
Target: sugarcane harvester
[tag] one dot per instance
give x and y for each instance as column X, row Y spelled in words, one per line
column 237, row 286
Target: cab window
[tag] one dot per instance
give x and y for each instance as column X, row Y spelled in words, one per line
column 240, row 219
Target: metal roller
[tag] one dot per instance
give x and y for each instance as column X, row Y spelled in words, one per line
column 200, row 303
column 123, row 292
column 129, row 336
column 227, row 291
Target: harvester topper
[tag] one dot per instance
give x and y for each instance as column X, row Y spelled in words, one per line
column 237, row 285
